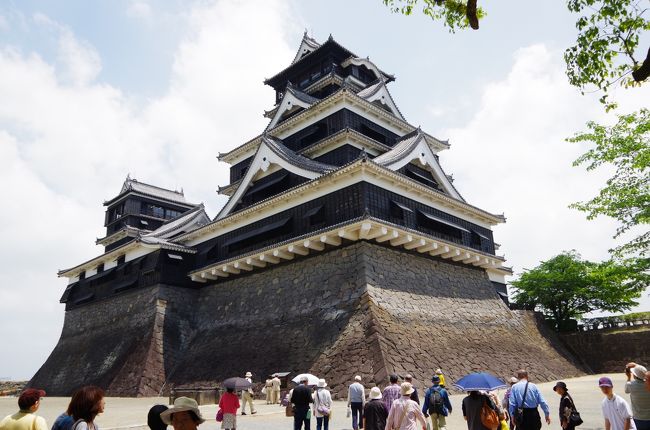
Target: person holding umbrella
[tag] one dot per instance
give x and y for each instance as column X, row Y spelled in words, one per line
column 229, row 403
column 475, row 402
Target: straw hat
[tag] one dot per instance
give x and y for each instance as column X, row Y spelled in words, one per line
column 181, row 404
column 248, row 375
column 375, row 393
column 322, row 383
column 406, row 388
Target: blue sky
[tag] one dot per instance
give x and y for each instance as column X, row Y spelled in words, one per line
column 92, row 91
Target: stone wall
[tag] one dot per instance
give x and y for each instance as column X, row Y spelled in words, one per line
column 362, row 309
column 609, row 350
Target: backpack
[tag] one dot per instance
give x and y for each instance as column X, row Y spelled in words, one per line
column 436, row 405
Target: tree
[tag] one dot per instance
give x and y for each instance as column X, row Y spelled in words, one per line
column 606, row 47
column 566, row 287
column 626, row 195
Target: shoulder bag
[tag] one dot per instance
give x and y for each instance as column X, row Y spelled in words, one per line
column 321, row 408
column 489, row 417
column 574, row 419
column 519, row 412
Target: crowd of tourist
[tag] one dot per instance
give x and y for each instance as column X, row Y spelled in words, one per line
column 397, row 406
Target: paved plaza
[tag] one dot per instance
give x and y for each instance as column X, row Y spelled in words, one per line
column 126, row 413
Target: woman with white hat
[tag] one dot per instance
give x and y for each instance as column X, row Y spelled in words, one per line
column 184, row 415
column 405, row 413
column 375, row 411
column 322, row 405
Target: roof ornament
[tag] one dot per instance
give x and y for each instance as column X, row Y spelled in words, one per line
column 331, row 37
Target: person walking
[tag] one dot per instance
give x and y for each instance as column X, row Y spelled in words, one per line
column 183, row 415
column 523, row 402
column 639, row 396
column 374, row 411
column 436, row 404
column 322, row 405
column 391, row 392
column 566, row 406
column 247, row 397
column 275, row 389
column 472, row 407
column 86, row 403
column 442, row 378
column 616, row 411
column 154, row 422
column 405, row 413
column 229, row 403
column 356, row 400
column 268, row 389
column 506, row 402
column 26, row 419
column 301, row 399
column 415, row 397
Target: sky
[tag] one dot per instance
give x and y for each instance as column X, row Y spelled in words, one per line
column 91, row 91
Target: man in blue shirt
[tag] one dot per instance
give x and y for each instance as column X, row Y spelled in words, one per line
column 529, row 418
column 438, row 406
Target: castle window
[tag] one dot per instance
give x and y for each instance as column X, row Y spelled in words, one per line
column 315, row 216
column 398, row 210
column 373, row 134
column 259, row 235
column 447, row 229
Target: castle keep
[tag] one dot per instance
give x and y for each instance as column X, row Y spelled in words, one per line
column 344, row 248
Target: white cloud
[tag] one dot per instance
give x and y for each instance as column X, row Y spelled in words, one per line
column 67, row 141
column 139, row 9
column 512, row 157
column 79, row 61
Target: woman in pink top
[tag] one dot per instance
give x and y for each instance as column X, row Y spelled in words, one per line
column 229, row 403
column 404, row 413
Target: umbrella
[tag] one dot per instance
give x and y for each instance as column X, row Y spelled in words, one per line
column 311, row 379
column 237, row 383
column 480, row 381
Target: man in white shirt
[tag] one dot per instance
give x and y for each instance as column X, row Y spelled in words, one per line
column 617, row 412
column 247, row 397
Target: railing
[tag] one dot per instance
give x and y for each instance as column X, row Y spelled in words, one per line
column 620, row 321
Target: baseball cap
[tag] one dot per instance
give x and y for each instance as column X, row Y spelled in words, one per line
column 605, row 382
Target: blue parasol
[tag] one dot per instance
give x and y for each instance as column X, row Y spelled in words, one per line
column 480, row 381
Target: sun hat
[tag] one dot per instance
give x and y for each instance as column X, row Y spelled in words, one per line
column 181, row 404
column 29, row 397
column 435, row 379
column 249, row 374
column 560, row 384
column 322, row 383
column 605, row 382
column 357, row 378
column 639, row 372
column 438, row 371
column 375, row 393
column 406, row 388
column 514, row 380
